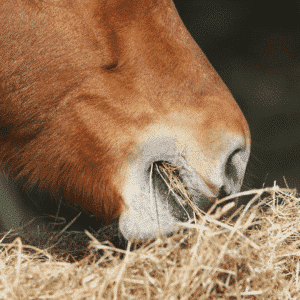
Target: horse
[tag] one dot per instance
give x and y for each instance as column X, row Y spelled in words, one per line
column 97, row 95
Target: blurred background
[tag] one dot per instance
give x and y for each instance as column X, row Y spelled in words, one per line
column 256, row 50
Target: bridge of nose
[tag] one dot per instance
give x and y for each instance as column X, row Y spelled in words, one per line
column 148, row 38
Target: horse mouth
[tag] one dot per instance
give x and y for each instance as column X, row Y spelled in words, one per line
column 177, row 185
column 162, row 188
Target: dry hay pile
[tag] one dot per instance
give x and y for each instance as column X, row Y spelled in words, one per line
column 254, row 255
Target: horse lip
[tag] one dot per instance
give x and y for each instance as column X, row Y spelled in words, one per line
column 145, row 215
column 196, row 200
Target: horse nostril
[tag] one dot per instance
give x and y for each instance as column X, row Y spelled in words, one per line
column 232, row 165
column 223, row 193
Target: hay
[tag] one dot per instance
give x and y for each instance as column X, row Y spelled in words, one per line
column 254, row 255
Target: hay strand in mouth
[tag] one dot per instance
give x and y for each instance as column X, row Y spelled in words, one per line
column 176, row 185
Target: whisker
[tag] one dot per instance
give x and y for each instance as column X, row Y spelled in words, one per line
column 152, row 195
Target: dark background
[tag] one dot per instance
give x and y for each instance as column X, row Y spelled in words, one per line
column 255, row 47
